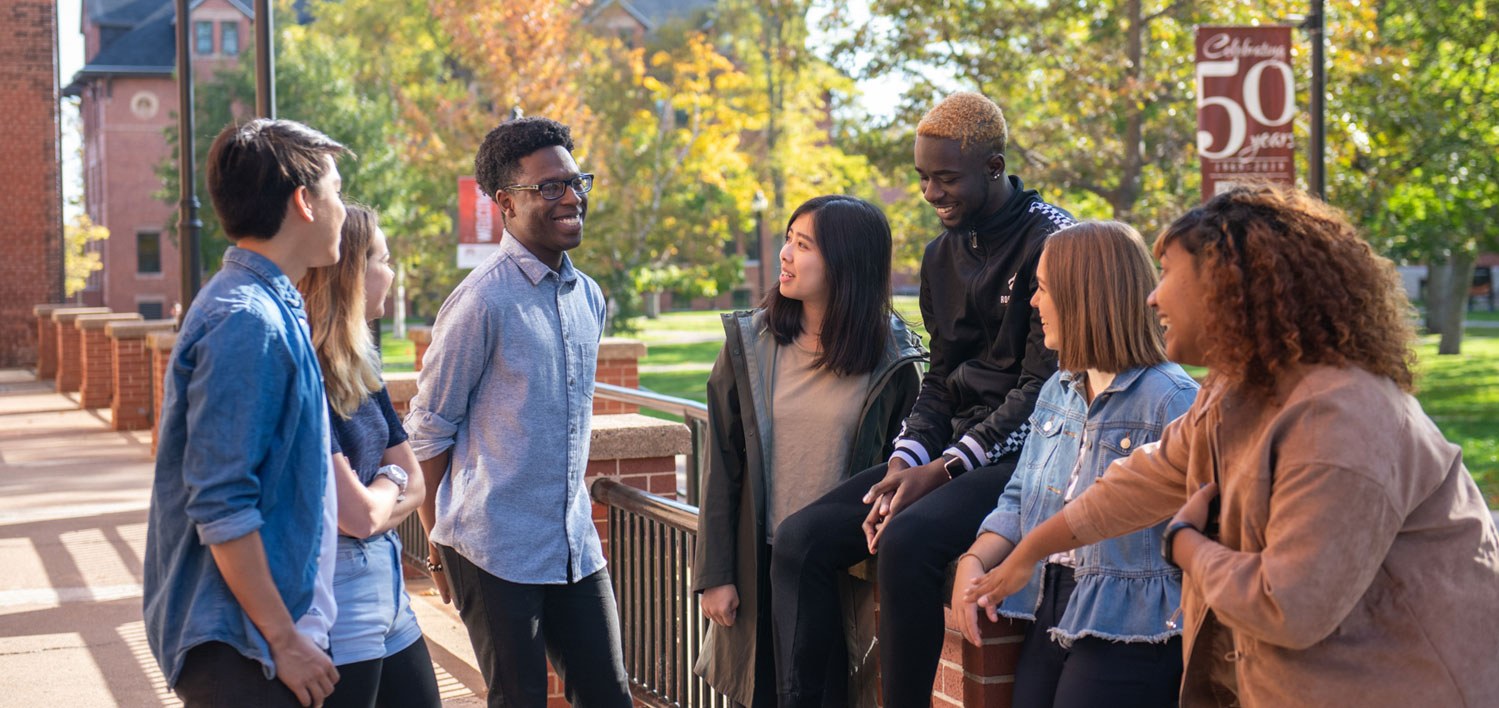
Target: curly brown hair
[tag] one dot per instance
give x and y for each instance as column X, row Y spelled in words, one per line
column 1291, row 282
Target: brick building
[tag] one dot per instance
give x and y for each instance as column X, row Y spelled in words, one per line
column 30, row 169
column 128, row 97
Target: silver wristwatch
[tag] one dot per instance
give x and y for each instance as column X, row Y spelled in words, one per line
column 395, row 474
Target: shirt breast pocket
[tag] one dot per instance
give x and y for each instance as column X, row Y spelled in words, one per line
column 582, row 367
column 1117, row 442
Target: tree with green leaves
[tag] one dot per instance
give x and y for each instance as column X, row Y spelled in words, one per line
column 1421, row 152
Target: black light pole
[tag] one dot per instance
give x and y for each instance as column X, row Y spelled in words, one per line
column 189, row 227
column 265, row 61
column 1317, row 159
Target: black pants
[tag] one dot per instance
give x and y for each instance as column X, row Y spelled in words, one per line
column 1093, row 671
column 822, row 540
column 515, row 628
column 403, row 679
column 215, row 674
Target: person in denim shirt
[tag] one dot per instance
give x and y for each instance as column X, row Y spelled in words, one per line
column 239, row 545
column 502, row 422
column 1101, row 632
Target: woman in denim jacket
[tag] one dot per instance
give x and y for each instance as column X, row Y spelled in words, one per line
column 1102, row 633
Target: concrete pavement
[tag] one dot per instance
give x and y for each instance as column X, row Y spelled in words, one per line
column 73, row 501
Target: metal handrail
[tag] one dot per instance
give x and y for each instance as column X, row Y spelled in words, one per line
column 651, row 546
column 692, row 413
column 670, row 405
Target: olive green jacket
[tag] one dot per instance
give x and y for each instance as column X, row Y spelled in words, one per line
column 731, row 546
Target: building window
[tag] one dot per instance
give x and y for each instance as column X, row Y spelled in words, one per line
column 229, row 37
column 148, row 252
column 204, row 36
column 151, row 310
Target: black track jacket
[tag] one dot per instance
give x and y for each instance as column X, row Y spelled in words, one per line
column 988, row 356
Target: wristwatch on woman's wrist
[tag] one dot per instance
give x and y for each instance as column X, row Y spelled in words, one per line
column 395, row 474
column 1170, row 535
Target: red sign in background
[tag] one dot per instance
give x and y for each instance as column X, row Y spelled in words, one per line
column 1245, row 107
column 478, row 224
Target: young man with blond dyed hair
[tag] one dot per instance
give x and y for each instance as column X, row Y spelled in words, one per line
column 957, row 448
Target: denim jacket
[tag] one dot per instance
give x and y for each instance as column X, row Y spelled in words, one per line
column 243, row 448
column 1125, row 590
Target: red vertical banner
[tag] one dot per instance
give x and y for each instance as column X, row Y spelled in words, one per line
column 1245, row 107
column 478, row 227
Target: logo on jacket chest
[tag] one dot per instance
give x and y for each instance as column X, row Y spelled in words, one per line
column 1004, row 297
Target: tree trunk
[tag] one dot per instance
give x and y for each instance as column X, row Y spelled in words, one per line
column 1448, row 284
column 399, row 325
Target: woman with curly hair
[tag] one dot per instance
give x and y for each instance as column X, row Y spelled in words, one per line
column 1334, row 549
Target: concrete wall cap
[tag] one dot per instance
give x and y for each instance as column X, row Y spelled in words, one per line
column 99, row 321
column 64, row 315
column 419, row 334
column 137, row 329
column 48, row 309
column 402, row 386
column 630, row 436
column 161, row 341
column 621, row 348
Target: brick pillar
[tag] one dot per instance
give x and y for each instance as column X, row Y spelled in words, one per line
column 96, row 387
column 159, row 344
column 69, row 351
column 131, row 405
column 421, row 338
column 978, row 677
column 46, row 341
column 619, row 364
column 30, row 169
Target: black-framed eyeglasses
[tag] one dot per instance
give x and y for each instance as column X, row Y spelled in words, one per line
column 553, row 190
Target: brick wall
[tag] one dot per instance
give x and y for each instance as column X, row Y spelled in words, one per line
column 31, row 232
column 46, row 338
column 618, row 364
column 96, row 388
column 69, row 346
column 131, row 405
column 160, row 345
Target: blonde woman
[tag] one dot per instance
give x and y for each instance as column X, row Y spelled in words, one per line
column 376, row 643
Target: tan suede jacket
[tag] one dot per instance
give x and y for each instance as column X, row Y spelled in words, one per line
column 1359, row 564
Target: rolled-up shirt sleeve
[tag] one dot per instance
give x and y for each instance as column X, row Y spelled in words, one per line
column 462, row 342
column 241, row 375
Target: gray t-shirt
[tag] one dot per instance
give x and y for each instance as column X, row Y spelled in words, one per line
column 813, row 416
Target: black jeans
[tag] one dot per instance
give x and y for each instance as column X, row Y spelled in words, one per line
column 215, row 674
column 515, row 628
column 1093, row 671
column 402, row 680
column 822, row 540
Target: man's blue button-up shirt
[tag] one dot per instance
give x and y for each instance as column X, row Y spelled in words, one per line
column 507, row 387
column 243, row 448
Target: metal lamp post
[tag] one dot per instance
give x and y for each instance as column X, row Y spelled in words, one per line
column 758, row 205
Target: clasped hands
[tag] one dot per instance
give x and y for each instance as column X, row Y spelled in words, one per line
column 900, row 488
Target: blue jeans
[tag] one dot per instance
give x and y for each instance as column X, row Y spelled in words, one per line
column 374, row 614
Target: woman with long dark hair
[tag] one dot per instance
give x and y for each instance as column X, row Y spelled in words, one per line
column 808, row 389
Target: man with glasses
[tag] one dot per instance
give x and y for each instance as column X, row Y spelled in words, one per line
column 501, row 424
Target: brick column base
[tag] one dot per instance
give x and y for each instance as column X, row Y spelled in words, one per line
column 69, row 346
column 618, row 364
column 420, row 337
column 96, row 385
column 131, row 405
column 46, row 341
column 159, row 344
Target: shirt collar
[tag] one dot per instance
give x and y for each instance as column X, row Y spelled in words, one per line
column 534, row 270
column 1122, row 380
column 266, row 270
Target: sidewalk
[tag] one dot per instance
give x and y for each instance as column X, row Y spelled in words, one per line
column 73, row 501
